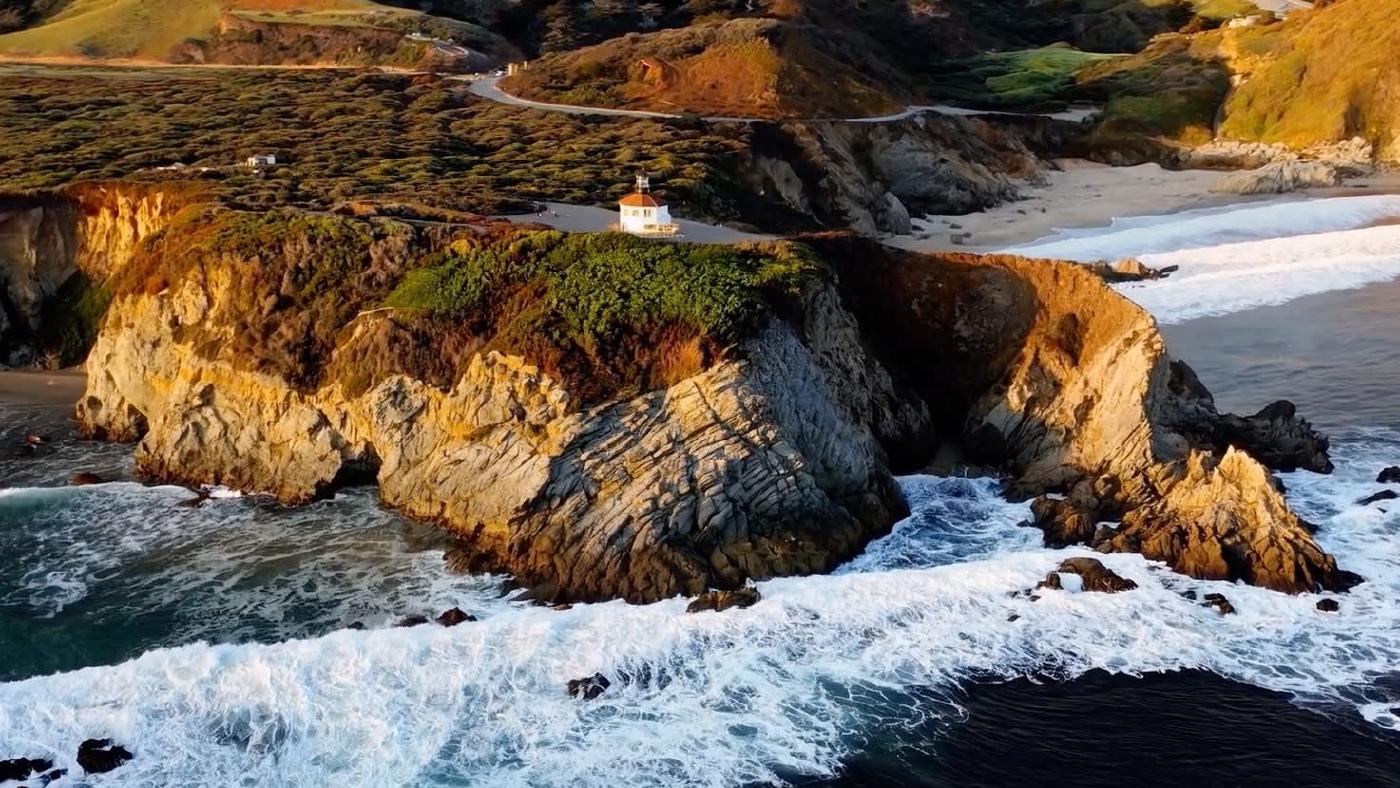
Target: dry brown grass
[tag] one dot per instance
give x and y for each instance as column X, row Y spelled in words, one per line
column 1326, row 74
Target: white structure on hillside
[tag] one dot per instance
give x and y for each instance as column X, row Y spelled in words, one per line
column 261, row 160
column 644, row 214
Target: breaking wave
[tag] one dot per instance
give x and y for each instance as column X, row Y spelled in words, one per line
column 1238, row 258
column 787, row 687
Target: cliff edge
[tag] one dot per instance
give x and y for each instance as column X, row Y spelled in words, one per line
column 604, row 417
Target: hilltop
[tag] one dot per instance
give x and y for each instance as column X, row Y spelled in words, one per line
column 1323, row 75
column 254, row 32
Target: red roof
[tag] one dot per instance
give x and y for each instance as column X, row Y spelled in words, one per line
column 639, row 200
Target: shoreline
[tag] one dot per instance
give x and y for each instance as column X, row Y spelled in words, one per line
column 41, row 389
column 1086, row 195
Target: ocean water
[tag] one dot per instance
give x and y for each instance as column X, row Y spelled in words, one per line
column 1240, row 258
column 213, row 640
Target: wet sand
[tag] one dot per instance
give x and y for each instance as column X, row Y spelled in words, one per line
column 1087, row 194
column 26, row 388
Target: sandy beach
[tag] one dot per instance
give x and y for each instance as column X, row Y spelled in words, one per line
column 39, row 389
column 1088, row 194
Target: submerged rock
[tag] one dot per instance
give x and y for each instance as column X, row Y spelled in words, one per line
column 98, row 756
column 1129, row 270
column 589, row 688
column 1220, row 603
column 1095, row 575
column 1383, row 495
column 1390, row 475
column 453, row 617
column 723, row 600
column 22, row 768
column 411, row 621
column 85, row 478
column 1328, row 605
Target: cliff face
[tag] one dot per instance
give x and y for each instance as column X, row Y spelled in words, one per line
column 773, row 458
column 871, row 177
column 50, row 240
column 753, row 468
column 1069, row 388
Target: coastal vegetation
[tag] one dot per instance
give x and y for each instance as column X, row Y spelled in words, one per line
column 608, row 313
column 1322, row 75
column 1029, row 79
column 342, row 137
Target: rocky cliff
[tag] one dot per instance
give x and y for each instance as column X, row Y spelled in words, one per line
column 58, row 247
column 872, row 177
column 1068, row 387
column 772, row 455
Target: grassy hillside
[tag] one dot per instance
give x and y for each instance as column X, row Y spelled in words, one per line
column 416, row 142
column 741, row 67
column 157, row 29
column 1326, row 74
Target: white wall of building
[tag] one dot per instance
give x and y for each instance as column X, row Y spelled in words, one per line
column 644, row 219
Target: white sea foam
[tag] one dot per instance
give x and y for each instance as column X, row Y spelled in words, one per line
column 785, row 687
column 1139, row 235
column 231, row 568
column 1238, row 258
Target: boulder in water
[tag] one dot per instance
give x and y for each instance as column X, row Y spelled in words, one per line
column 1383, row 495
column 1390, row 475
column 1095, row 575
column 85, row 478
column 1129, row 270
column 1220, row 603
column 453, row 617
column 1276, row 436
column 1328, row 605
column 412, row 621
column 723, row 600
column 590, row 687
column 98, row 756
column 21, row 768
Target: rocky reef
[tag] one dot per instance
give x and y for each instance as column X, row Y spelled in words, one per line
column 740, row 454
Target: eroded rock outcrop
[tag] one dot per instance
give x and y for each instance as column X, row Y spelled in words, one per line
column 55, row 246
column 1070, row 389
column 871, row 177
column 774, row 457
column 763, row 465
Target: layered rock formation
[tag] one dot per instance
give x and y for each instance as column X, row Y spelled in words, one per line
column 49, row 240
column 871, row 177
column 1071, row 390
column 774, row 458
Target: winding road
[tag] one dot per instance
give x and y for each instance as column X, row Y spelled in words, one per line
column 488, row 87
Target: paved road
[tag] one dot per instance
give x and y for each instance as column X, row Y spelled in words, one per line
column 489, row 88
column 592, row 219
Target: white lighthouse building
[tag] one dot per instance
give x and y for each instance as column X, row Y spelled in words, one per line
column 643, row 214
